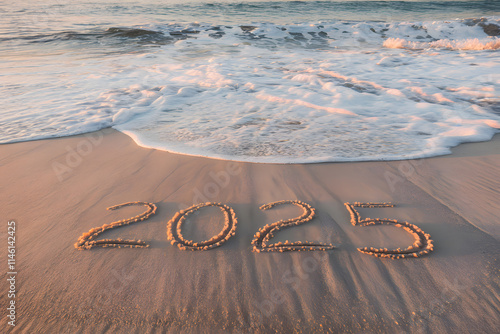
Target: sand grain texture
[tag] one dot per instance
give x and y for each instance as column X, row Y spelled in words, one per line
column 162, row 289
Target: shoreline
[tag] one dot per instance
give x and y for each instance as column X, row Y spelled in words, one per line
column 58, row 189
column 453, row 150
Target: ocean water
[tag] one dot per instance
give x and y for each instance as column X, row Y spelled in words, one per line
column 260, row 81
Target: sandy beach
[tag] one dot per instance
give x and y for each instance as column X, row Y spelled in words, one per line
column 57, row 189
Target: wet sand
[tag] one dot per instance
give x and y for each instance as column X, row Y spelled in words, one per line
column 57, row 190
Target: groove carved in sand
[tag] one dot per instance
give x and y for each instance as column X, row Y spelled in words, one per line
column 87, row 240
column 422, row 245
column 176, row 238
column 262, row 237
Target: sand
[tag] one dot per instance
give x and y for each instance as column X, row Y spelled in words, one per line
column 56, row 190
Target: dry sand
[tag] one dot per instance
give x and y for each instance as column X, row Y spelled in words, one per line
column 56, row 190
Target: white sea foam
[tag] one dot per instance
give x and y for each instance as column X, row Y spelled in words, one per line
column 309, row 92
column 467, row 44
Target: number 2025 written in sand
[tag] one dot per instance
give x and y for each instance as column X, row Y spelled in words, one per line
column 261, row 241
